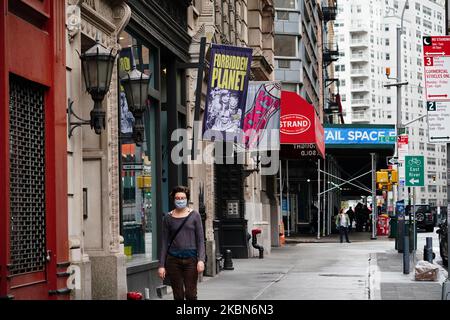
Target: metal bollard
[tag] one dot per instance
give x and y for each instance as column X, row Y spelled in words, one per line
column 428, row 254
column 228, row 263
column 406, row 255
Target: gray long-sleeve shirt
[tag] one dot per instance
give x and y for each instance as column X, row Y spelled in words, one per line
column 191, row 236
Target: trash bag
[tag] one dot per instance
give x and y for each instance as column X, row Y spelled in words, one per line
column 425, row 271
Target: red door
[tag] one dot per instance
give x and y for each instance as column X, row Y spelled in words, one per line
column 33, row 160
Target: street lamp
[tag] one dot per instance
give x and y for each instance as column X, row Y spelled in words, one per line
column 97, row 65
column 136, row 84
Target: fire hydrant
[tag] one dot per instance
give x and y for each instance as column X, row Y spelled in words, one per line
column 255, row 244
column 134, row 296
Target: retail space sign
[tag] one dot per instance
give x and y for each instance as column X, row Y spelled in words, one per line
column 226, row 92
column 367, row 135
column 414, row 170
column 438, row 121
column 436, row 54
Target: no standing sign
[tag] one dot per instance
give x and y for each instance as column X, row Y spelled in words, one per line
column 436, row 53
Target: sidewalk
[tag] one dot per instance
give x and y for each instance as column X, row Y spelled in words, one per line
column 328, row 270
column 333, row 238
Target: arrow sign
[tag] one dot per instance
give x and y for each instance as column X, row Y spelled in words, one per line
column 393, row 160
column 414, row 181
column 436, row 138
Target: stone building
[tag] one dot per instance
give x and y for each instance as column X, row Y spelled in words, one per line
column 96, row 254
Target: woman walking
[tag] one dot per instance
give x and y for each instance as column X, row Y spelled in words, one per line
column 183, row 247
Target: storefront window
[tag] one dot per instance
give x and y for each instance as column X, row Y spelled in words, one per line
column 137, row 161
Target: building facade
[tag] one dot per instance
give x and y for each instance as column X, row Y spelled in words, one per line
column 369, row 46
column 92, row 159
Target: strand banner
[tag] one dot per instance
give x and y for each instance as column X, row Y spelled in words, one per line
column 226, row 93
column 262, row 116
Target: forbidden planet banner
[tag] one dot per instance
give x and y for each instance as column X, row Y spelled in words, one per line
column 226, row 92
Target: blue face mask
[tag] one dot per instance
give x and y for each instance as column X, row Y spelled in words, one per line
column 181, row 204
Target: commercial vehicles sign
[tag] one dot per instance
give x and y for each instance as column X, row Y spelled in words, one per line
column 436, row 53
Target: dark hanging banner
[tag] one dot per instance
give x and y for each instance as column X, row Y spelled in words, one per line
column 227, row 92
column 126, row 61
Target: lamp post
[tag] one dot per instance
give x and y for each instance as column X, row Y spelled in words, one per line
column 136, row 84
column 97, row 65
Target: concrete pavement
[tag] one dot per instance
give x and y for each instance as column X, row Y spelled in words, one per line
column 327, row 270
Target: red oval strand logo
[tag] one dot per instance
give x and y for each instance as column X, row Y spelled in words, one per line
column 294, row 124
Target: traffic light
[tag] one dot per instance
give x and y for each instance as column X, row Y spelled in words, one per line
column 144, row 182
column 382, row 177
column 394, row 176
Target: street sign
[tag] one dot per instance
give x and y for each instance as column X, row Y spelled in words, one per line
column 402, row 147
column 414, row 171
column 431, row 105
column 436, row 54
column 392, row 160
column 438, row 121
column 134, row 166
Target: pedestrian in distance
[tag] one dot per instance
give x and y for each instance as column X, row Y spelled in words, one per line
column 183, row 247
column 342, row 223
column 351, row 215
column 314, row 217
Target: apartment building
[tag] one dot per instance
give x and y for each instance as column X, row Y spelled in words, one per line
column 366, row 33
column 298, row 48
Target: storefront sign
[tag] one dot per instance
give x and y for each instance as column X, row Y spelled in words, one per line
column 227, row 92
column 345, row 135
column 300, row 126
column 294, row 124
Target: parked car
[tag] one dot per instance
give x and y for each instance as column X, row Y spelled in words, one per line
column 443, row 241
column 425, row 217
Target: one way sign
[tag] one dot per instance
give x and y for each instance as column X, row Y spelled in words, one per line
column 392, row 160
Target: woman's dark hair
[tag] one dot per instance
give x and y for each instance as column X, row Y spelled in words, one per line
column 177, row 189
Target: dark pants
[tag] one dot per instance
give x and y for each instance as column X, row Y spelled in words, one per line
column 183, row 277
column 342, row 231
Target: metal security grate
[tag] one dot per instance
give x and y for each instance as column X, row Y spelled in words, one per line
column 27, row 177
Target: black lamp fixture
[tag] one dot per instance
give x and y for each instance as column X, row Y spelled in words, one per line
column 135, row 85
column 97, row 66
